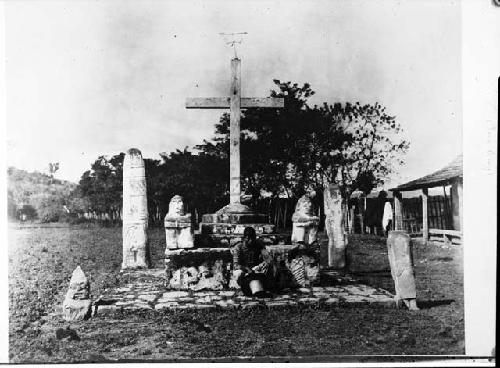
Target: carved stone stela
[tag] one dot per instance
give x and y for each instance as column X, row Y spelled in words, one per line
column 334, row 227
column 135, row 212
column 401, row 262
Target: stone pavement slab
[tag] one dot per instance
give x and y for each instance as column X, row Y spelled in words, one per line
column 149, row 292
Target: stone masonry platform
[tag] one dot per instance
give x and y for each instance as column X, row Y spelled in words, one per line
column 145, row 290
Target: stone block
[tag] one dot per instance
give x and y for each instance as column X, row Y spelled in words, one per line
column 250, row 304
column 205, row 306
column 174, row 294
column 401, row 261
column 277, row 303
column 332, row 301
column 104, row 309
column 166, row 305
column 76, row 310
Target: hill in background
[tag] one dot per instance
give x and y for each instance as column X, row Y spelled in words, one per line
column 34, row 195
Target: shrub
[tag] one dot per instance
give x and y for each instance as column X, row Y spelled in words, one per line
column 50, row 210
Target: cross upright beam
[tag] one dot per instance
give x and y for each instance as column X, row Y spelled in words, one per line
column 235, row 103
column 234, row 133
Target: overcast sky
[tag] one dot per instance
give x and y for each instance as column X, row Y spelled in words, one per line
column 95, row 78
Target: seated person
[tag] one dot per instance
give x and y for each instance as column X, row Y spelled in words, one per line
column 252, row 263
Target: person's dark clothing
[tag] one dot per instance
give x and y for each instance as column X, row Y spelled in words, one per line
column 255, row 261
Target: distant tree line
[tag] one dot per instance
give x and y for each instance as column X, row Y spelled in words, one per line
column 284, row 153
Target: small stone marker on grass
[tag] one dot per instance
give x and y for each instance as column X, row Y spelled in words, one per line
column 401, row 261
column 77, row 303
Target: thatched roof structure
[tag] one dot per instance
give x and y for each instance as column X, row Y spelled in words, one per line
column 445, row 176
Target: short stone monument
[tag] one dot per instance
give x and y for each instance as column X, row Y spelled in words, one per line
column 401, row 261
column 77, row 304
column 135, row 212
column 334, row 226
column 178, row 227
column 305, row 224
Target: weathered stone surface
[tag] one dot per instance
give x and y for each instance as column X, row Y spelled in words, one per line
column 210, row 268
column 166, row 305
column 178, row 227
column 204, row 300
column 334, row 226
column 305, row 224
column 147, row 297
column 277, row 303
column 357, row 294
column 135, row 212
column 205, row 306
column 401, row 262
column 308, row 300
column 332, row 301
column 175, row 294
column 79, row 286
column 76, row 309
column 77, row 303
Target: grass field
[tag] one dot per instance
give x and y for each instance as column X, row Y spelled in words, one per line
column 41, row 260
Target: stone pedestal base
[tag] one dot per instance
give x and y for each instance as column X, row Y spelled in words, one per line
column 211, row 268
column 178, row 232
column 179, row 238
column 304, row 232
column 336, row 258
column 225, row 227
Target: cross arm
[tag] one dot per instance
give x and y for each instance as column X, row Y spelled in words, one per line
column 224, row 102
column 207, row 103
column 269, row 102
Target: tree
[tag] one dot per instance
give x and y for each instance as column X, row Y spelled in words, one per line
column 201, row 178
column 11, row 205
column 102, row 185
column 52, row 168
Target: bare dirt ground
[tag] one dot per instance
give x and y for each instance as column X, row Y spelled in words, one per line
column 41, row 260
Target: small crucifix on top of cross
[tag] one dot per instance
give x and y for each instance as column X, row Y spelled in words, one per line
column 232, row 39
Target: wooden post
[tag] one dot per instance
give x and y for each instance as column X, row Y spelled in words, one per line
column 446, row 209
column 398, row 211
column 363, row 216
column 351, row 220
column 425, row 223
column 460, row 203
column 234, row 129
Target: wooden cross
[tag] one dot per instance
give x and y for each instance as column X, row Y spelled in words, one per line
column 235, row 103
